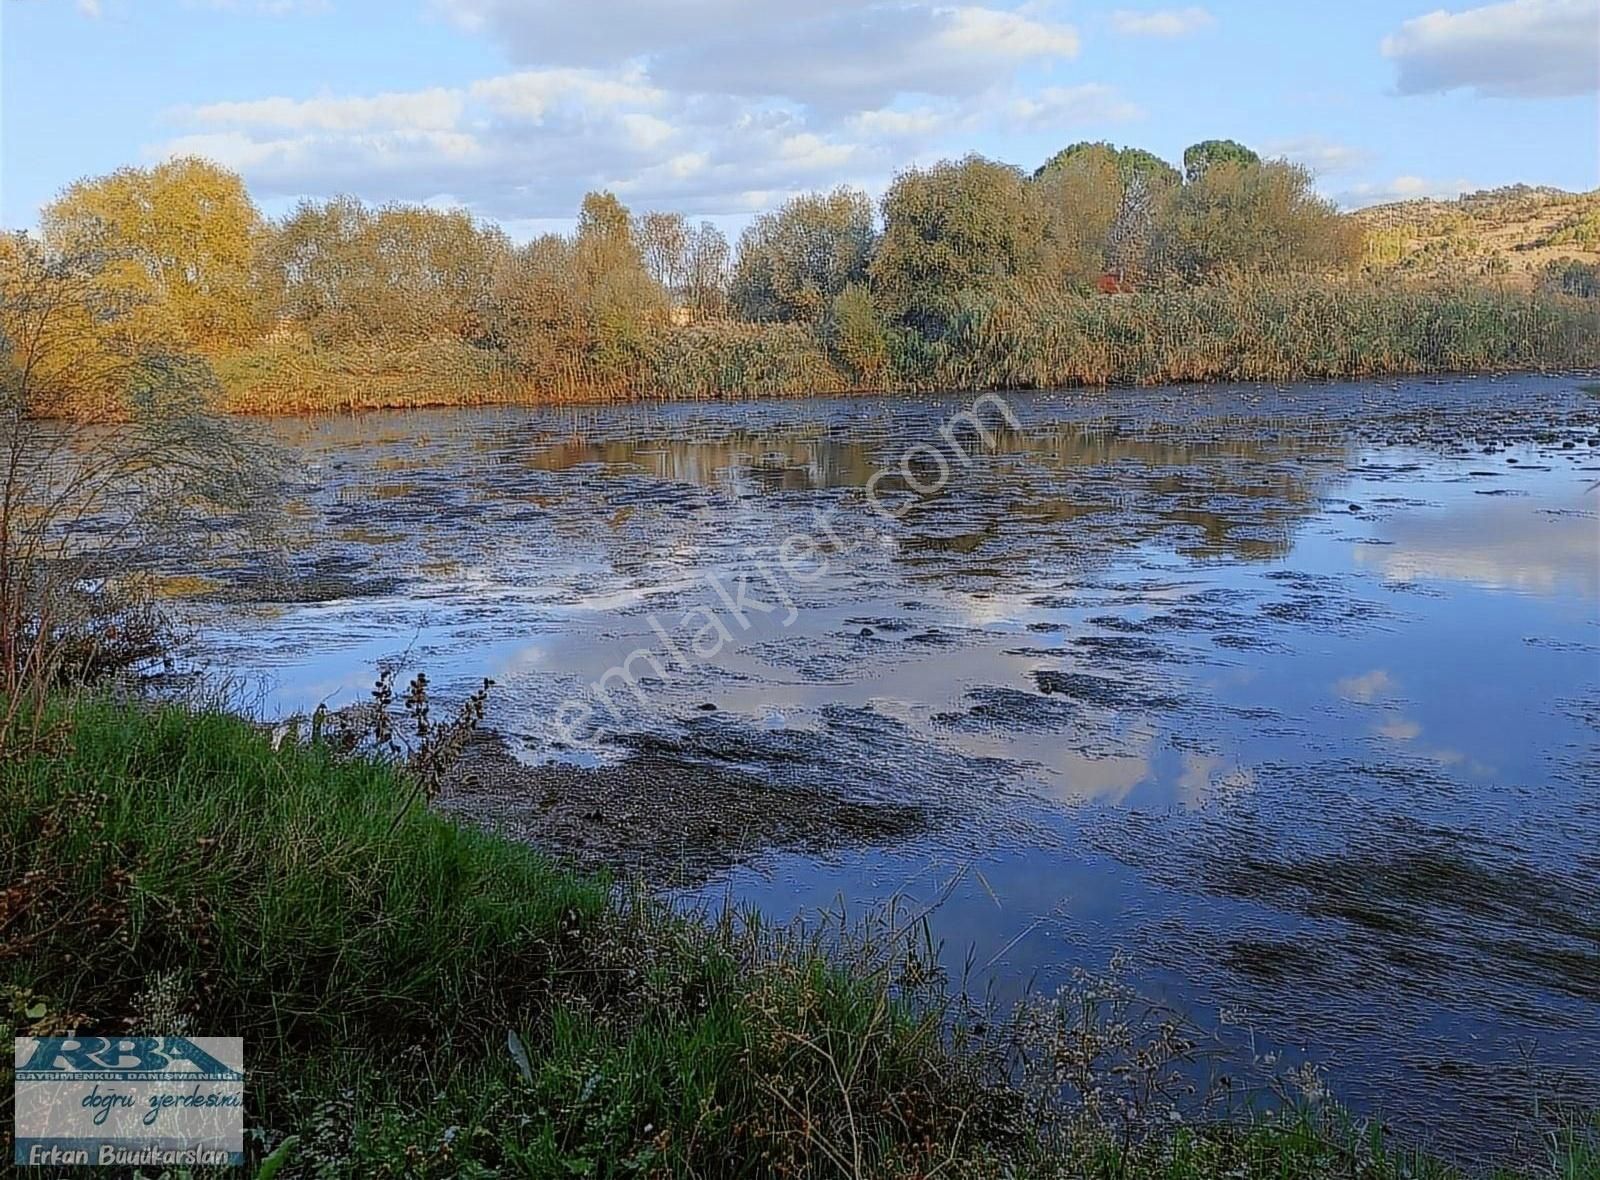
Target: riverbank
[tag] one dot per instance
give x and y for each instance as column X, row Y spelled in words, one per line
column 1259, row 331
column 422, row 998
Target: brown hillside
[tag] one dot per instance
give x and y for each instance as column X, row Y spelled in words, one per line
column 1514, row 232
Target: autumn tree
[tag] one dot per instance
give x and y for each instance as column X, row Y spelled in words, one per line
column 705, row 271
column 621, row 302
column 689, row 262
column 348, row 274
column 537, row 315
column 1104, row 204
column 99, row 426
column 65, row 339
column 856, row 334
column 663, row 242
column 310, row 264
column 795, row 260
column 971, row 224
column 1257, row 218
column 178, row 239
column 1129, row 161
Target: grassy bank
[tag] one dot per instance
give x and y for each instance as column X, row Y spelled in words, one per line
column 168, row 869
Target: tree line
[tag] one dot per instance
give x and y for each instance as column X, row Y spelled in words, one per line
column 343, row 302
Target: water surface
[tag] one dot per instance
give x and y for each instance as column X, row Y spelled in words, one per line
column 1293, row 695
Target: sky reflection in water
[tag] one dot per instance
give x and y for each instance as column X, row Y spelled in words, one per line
column 1292, row 694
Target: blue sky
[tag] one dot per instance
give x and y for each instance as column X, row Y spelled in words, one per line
column 721, row 108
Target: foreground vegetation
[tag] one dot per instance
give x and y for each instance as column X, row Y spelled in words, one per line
column 1104, row 265
column 422, row 999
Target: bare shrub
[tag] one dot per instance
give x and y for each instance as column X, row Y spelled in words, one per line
column 109, row 450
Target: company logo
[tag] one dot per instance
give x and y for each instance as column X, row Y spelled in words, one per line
column 129, row 1101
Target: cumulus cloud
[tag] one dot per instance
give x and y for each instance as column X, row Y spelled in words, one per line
column 525, row 145
column 604, row 32
column 532, row 93
column 1057, row 106
column 1403, row 188
column 1161, row 22
column 865, row 62
column 427, row 110
column 892, row 124
column 708, row 106
column 1517, row 49
column 833, row 55
column 1366, row 687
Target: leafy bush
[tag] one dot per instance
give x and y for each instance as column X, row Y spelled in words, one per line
column 729, row 359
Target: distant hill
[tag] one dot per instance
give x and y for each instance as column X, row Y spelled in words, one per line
column 1514, row 232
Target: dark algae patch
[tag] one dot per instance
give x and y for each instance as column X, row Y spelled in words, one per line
column 1439, row 906
column 660, row 814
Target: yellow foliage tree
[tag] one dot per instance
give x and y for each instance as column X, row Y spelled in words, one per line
column 179, row 240
column 351, row 275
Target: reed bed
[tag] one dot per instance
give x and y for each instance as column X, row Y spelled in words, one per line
column 1284, row 330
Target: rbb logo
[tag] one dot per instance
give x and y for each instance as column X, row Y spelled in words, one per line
column 118, row 1055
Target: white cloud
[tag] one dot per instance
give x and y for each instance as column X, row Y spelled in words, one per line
column 525, row 146
column 400, row 161
column 1091, row 102
column 841, row 64
column 531, row 93
column 433, row 109
column 1322, row 156
column 711, row 107
column 1403, row 188
column 1517, row 49
column 1003, row 35
column 647, row 132
column 1161, row 22
column 898, row 124
column 606, row 32
column 838, row 56
column 1399, row 729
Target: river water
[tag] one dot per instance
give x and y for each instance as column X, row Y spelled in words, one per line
column 1291, row 696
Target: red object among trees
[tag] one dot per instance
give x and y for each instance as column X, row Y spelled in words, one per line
column 1110, row 284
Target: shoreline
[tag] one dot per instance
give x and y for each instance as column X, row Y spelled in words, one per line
column 519, row 401
column 637, row 1033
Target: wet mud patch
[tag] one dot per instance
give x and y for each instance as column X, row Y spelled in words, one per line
column 1364, row 874
column 1101, row 690
column 1129, row 649
column 659, row 815
column 1009, row 709
column 329, row 578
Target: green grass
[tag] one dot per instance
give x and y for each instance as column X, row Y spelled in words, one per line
column 422, row 999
